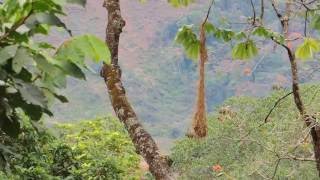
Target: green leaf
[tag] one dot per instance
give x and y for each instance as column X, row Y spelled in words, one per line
column 193, row 50
column 31, row 93
column 78, row 48
column 61, row 98
column 188, row 39
column 262, row 32
column 44, row 65
column 244, row 50
column 21, row 59
column 42, row 18
column 7, row 53
column 180, row 3
column 240, row 35
column 308, row 48
column 210, row 28
column 71, row 69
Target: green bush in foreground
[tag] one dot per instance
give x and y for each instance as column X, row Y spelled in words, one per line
column 103, row 149
column 241, row 146
column 96, row 149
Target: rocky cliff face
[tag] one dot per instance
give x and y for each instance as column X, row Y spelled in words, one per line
column 160, row 81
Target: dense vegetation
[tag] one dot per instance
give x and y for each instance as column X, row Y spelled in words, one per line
column 90, row 149
column 273, row 137
column 240, row 145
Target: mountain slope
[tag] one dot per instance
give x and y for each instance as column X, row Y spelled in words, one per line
column 160, row 81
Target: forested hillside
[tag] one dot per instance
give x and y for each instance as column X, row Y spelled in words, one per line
column 159, row 78
column 165, row 90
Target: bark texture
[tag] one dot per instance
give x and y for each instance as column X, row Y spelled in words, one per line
column 310, row 121
column 199, row 121
column 143, row 142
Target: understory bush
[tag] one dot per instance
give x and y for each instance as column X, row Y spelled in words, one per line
column 91, row 149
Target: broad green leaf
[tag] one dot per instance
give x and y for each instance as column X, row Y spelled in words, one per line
column 193, row 50
column 188, row 39
column 267, row 34
column 244, row 50
column 7, row 53
column 210, row 28
column 240, row 35
column 44, row 65
column 71, row 69
column 308, row 48
column 85, row 46
column 40, row 19
column 21, row 59
column 31, row 93
column 262, row 32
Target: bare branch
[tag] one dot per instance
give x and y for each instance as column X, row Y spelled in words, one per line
column 275, row 105
column 254, row 13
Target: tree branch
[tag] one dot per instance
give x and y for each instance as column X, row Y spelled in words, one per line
column 16, row 26
column 275, row 105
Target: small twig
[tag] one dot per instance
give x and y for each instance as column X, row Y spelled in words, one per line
column 306, row 23
column 276, row 168
column 275, row 105
column 273, row 3
column 299, row 158
column 254, row 13
column 262, row 11
column 208, row 12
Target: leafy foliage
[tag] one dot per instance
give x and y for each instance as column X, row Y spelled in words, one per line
column 103, row 149
column 244, row 50
column 308, row 48
column 189, row 41
column 241, row 146
column 30, row 71
column 94, row 149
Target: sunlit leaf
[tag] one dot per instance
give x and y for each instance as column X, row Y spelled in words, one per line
column 308, row 48
column 85, row 46
column 180, row 3
column 244, row 50
column 188, row 39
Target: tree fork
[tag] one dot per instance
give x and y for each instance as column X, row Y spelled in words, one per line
column 142, row 140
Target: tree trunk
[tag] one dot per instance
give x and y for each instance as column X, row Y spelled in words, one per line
column 199, row 121
column 310, row 121
column 143, row 142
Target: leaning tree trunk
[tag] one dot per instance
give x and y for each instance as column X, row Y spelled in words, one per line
column 199, row 121
column 310, row 121
column 143, row 142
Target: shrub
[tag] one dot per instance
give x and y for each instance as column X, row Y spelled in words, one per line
column 93, row 149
